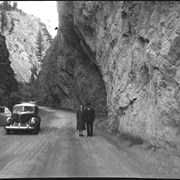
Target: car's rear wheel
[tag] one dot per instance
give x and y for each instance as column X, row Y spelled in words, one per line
column 7, row 131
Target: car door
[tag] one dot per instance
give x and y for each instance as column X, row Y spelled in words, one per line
column 4, row 113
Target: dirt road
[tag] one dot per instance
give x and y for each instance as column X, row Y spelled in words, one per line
column 58, row 151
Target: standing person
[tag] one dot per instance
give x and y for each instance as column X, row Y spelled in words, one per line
column 89, row 119
column 80, row 120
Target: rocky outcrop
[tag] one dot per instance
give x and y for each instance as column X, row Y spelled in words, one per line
column 70, row 73
column 21, row 31
column 125, row 54
column 8, row 83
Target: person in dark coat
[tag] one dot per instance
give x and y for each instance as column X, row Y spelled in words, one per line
column 80, row 120
column 89, row 119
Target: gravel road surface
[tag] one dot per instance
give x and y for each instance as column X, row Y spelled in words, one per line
column 58, row 151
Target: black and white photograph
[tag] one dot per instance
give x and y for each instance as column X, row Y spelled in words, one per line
column 89, row 89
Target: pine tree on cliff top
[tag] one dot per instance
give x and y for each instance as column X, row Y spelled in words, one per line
column 5, row 5
column 15, row 5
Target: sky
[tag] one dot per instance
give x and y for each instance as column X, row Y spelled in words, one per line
column 45, row 10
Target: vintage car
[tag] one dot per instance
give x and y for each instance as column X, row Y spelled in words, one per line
column 23, row 117
column 4, row 114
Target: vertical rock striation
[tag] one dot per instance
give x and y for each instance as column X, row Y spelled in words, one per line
column 125, row 54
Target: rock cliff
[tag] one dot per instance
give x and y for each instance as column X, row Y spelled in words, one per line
column 8, row 83
column 123, row 57
column 70, row 73
column 21, row 31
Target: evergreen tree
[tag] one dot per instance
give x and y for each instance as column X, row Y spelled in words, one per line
column 34, row 74
column 3, row 21
column 32, row 79
column 7, row 5
column 15, row 5
column 46, row 33
column 34, row 70
column 32, row 82
column 40, row 46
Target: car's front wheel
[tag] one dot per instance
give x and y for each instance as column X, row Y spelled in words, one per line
column 35, row 131
column 39, row 127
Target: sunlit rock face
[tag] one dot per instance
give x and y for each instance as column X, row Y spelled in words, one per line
column 137, row 52
column 123, row 53
column 8, row 83
column 21, row 38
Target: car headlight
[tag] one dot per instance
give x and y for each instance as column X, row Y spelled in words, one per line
column 33, row 120
column 8, row 120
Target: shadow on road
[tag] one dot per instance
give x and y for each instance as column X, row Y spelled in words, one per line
column 22, row 132
column 134, row 140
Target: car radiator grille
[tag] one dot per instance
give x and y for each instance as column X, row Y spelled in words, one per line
column 16, row 117
column 22, row 118
column 25, row 117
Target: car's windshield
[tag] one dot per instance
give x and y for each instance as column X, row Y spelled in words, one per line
column 23, row 109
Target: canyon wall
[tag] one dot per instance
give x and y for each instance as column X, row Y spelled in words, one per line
column 21, row 32
column 8, row 83
column 70, row 75
column 123, row 57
